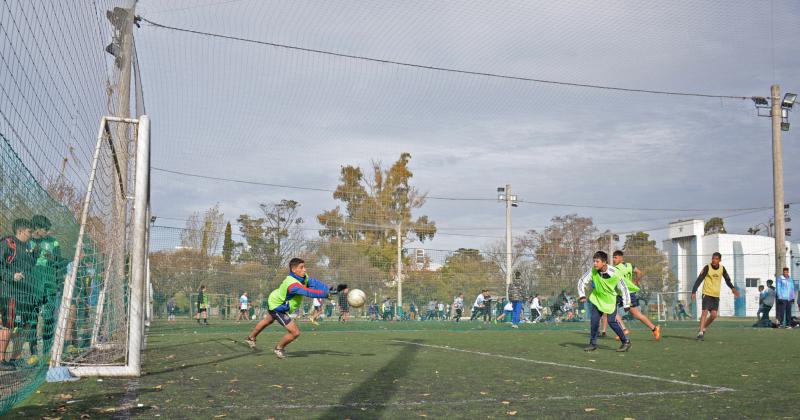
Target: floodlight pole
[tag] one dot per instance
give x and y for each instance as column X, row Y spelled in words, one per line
column 508, row 238
column 777, row 180
column 398, row 310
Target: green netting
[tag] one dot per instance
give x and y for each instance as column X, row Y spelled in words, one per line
column 34, row 261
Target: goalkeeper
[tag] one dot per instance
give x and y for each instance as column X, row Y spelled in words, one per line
column 286, row 299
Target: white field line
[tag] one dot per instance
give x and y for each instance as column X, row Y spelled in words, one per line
column 711, row 388
column 466, row 401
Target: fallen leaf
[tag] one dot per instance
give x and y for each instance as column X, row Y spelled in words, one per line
column 158, row 387
column 65, row 396
column 277, row 386
column 629, row 418
column 219, row 416
column 484, row 393
column 693, row 375
column 505, row 402
column 511, row 413
column 589, row 409
column 85, row 416
column 425, row 395
column 745, row 375
column 548, row 377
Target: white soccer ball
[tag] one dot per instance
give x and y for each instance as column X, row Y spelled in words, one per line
column 356, row 298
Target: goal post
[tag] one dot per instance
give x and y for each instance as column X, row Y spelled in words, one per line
column 105, row 285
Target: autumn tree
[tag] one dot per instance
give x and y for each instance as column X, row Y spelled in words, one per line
column 715, row 225
column 374, row 204
column 202, row 231
column 275, row 235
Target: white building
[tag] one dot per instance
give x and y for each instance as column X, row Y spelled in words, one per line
column 748, row 259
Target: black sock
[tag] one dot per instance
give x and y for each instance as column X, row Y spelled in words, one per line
column 653, row 329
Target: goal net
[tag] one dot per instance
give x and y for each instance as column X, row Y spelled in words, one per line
column 102, row 304
column 676, row 306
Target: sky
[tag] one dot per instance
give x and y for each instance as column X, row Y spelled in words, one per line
column 248, row 111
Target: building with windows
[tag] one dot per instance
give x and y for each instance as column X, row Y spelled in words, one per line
column 748, row 259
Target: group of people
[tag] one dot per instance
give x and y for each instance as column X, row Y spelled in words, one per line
column 782, row 296
column 32, row 273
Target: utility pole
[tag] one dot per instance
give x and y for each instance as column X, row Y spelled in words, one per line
column 399, row 307
column 777, row 180
column 508, row 238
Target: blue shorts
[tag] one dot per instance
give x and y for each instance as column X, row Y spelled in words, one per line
column 634, row 300
column 282, row 318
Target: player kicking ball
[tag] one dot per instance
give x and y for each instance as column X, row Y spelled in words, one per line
column 711, row 276
column 632, row 275
column 286, row 299
column 608, row 284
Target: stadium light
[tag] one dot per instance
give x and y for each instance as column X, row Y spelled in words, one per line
column 788, row 100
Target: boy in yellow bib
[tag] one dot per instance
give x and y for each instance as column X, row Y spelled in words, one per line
column 711, row 276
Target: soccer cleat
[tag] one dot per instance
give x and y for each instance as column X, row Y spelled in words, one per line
column 657, row 333
column 515, row 326
column 590, row 347
column 701, row 336
column 279, row 352
column 251, row 342
column 624, row 347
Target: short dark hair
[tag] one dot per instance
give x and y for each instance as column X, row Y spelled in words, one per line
column 294, row 262
column 716, row 254
column 600, row 255
column 41, row 222
column 20, row 224
column 769, row 282
column 785, row 268
column 618, row 253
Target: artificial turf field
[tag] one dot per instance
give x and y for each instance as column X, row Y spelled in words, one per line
column 438, row 369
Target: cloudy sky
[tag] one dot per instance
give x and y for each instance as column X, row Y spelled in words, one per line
column 249, row 111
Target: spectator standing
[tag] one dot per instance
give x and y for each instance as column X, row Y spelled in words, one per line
column 412, row 311
column 785, row 294
column 439, row 310
column 430, row 310
column 171, row 309
column 536, row 309
column 344, row 306
column 516, row 293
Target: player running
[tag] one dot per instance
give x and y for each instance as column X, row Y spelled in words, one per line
column 710, row 277
column 632, row 276
column 608, row 283
column 286, row 299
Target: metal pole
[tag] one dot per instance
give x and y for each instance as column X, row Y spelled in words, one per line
column 508, row 238
column 777, row 180
column 139, row 247
column 399, row 307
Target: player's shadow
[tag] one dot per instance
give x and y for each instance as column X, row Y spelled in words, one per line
column 375, row 392
column 306, row 353
column 192, row 365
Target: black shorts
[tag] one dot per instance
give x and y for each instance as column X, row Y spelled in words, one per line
column 634, row 300
column 344, row 310
column 710, row 303
column 202, row 310
column 243, row 311
column 282, row 318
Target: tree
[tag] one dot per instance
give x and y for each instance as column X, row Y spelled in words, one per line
column 561, row 252
column 715, row 225
column 643, row 253
column 228, row 244
column 276, row 236
column 375, row 205
column 202, row 231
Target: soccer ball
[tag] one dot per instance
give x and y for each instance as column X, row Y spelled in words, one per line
column 356, row 298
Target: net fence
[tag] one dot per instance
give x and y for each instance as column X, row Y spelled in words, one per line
column 56, row 81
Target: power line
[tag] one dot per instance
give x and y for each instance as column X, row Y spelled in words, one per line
column 442, row 69
column 538, row 203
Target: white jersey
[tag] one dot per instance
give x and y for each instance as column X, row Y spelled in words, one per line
column 509, row 307
column 479, row 301
column 535, row 304
column 243, row 302
column 458, row 303
column 440, row 306
column 317, row 302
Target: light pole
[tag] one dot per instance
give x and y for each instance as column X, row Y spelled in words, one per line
column 779, row 114
column 504, row 194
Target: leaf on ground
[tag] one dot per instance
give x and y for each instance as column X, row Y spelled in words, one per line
column 259, row 365
column 548, row 377
column 277, row 386
column 745, row 375
column 85, row 416
column 234, row 380
column 511, row 413
column 484, row 393
column 629, row 418
column 219, row 416
column 692, row 375
column 505, row 402
column 589, row 409
column 424, row 395
column 158, row 387
column 65, row 396
column 51, row 418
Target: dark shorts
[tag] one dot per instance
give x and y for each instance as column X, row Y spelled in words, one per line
column 282, row 318
column 634, row 300
column 202, row 310
column 710, row 303
column 244, row 311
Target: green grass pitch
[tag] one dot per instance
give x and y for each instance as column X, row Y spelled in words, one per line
column 441, row 370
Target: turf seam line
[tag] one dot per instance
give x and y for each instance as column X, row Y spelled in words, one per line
column 712, row 388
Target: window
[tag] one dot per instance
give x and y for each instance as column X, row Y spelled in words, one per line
column 752, row 282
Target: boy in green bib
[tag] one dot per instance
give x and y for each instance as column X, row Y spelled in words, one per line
column 607, row 283
column 632, row 276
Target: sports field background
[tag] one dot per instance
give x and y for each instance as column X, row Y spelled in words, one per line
column 441, row 369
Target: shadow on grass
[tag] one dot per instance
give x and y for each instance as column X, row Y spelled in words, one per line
column 374, row 393
column 306, row 353
column 106, row 405
column 209, row 362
